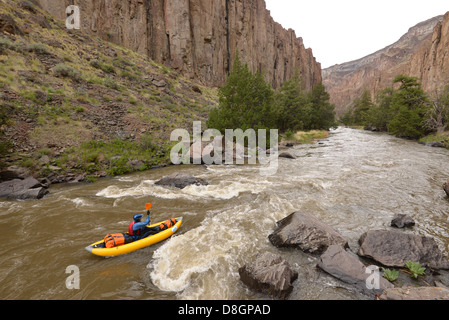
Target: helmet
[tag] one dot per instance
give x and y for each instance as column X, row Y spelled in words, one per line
column 138, row 217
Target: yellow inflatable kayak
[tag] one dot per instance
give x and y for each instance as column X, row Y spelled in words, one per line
column 99, row 249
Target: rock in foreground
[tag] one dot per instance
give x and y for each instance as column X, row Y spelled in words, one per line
column 416, row 293
column 270, row 274
column 305, row 232
column 180, row 181
column 393, row 248
column 348, row 268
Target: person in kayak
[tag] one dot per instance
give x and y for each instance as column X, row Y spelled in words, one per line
column 138, row 230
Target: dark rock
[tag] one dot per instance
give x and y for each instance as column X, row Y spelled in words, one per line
column 196, row 89
column 14, row 172
column 30, row 194
column 181, row 180
column 416, row 293
column 137, row 165
column 348, row 268
column 27, row 5
column 402, row 221
column 29, row 188
column 286, row 155
column 8, row 25
column 289, row 145
column 271, row 274
column 393, row 248
column 446, row 187
column 305, row 232
column 16, row 185
column 78, row 179
column 435, row 144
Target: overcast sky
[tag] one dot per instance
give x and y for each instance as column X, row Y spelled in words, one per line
column 344, row 30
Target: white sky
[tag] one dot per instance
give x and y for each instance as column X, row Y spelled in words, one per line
column 339, row 31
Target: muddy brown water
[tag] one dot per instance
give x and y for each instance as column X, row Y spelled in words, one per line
column 355, row 181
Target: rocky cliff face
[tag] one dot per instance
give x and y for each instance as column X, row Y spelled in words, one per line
column 430, row 62
column 420, row 52
column 199, row 38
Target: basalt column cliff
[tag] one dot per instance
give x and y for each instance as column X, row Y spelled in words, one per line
column 199, row 38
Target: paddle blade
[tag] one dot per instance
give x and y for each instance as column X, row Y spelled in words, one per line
column 148, row 206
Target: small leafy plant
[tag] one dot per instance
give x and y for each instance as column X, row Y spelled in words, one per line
column 415, row 269
column 390, row 275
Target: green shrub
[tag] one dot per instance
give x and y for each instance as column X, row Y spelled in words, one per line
column 110, row 83
column 5, row 44
column 102, row 66
column 39, row 48
column 66, row 71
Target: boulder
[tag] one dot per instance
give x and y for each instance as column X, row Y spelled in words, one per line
column 28, row 188
column 286, row 155
column 393, row 248
column 8, row 25
column 402, row 221
column 14, row 172
column 271, row 274
column 29, row 194
column 181, row 180
column 305, row 232
column 446, row 187
column 348, row 268
column 415, row 293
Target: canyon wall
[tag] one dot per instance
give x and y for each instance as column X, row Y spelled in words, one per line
column 199, row 38
column 422, row 52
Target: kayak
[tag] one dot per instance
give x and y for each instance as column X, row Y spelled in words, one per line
column 99, row 249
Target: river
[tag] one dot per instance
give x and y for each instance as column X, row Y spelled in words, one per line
column 354, row 181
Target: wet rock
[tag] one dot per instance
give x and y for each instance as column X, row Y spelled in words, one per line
column 305, row 232
column 271, row 274
column 402, row 221
column 416, row 293
column 28, row 188
column 394, row 248
column 446, row 187
column 286, row 155
column 348, row 268
column 30, row 194
column 181, row 180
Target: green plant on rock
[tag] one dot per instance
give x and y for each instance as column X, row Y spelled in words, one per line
column 390, row 275
column 415, row 269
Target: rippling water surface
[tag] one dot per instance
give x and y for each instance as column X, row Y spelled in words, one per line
column 354, row 181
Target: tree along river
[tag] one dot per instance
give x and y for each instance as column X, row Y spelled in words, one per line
column 354, row 181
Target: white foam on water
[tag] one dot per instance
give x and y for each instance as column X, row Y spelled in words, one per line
column 203, row 263
column 80, row 202
column 224, row 190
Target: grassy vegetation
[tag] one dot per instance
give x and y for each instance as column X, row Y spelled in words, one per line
column 306, row 137
column 88, row 105
column 437, row 137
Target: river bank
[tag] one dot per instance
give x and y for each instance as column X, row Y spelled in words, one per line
column 97, row 160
